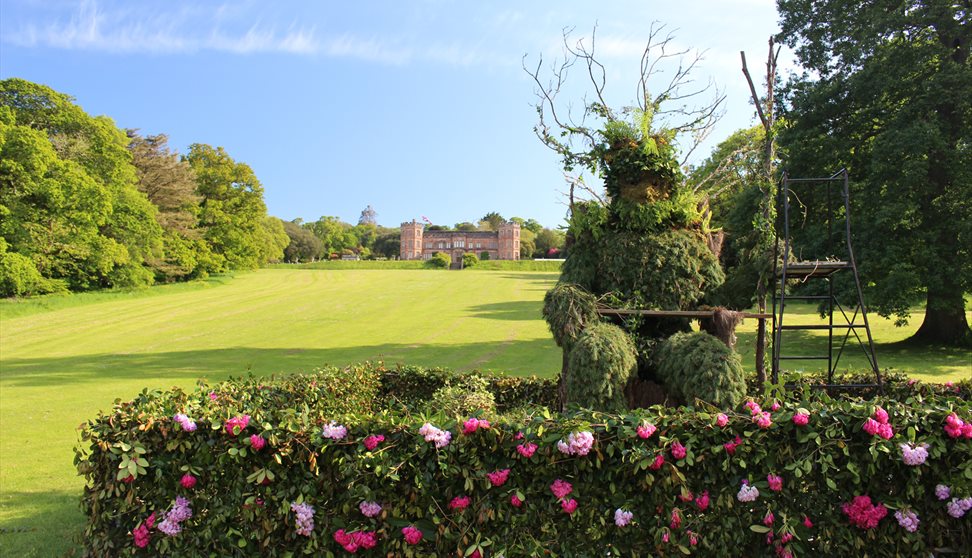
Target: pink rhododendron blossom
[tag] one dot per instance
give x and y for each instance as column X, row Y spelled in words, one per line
column 676, row 521
column 658, row 462
column 693, row 539
column 334, row 431
column 185, row 422
column 188, row 481
column 801, row 419
column 213, row 396
column 129, row 479
column 678, row 450
column 460, row 503
column 180, row 512
column 622, row 518
column 775, row 482
column 722, row 420
column 907, row 519
column 371, row 442
column 955, row 427
column 351, row 542
column 686, row 496
column 563, row 447
column 958, row 506
column 702, row 501
column 881, row 415
column 561, row 488
column 515, row 501
column 473, row 424
column 775, row 406
column 862, row 513
column 787, row 537
column 236, row 425
column 578, row 443
column 942, row 492
column 871, row 426
column 807, row 523
column 498, row 478
column 569, row 506
column 914, row 455
column 519, row 436
column 967, row 431
column 747, row 493
column 476, row 554
column 768, row 519
column 886, row 431
column 141, row 533
column 526, row 450
column 257, row 442
column 752, row 406
column 732, row 445
column 412, row 535
column 665, row 537
column 440, row 438
column 763, row 420
column 370, row 509
column 646, row 430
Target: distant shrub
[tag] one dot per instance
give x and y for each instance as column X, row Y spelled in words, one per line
column 19, row 277
column 598, row 367
column 697, row 365
column 439, row 260
column 469, row 396
column 484, row 256
column 568, row 308
column 469, row 260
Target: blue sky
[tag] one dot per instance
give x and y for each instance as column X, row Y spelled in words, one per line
column 418, row 108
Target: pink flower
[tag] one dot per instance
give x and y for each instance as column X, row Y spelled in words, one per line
column 942, row 492
column 807, row 523
column 646, row 430
column 257, row 442
column 519, row 436
column 412, row 535
column 801, row 419
column 747, row 493
column 304, row 518
column 473, row 424
column 753, row 407
column 686, row 496
column 370, row 509
column 763, row 419
column 881, row 415
column 526, row 450
column 775, row 482
column 886, row 431
column 862, row 513
column 787, row 537
column 907, row 519
column 871, row 426
column 578, row 443
column 967, row 430
column 188, row 481
column 676, row 519
column 141, row 535
column 334, row 431
column 515, row 501
column 622, row 518
column 371, row 442
column 702, row 501
column 768, row 519
column 775, row 406
column 678, row 450
column 657, row 464
column 569, row 506
column 236, row 425
column 561, row 488
column 498, row 478
column 665, row 537
column 358, row 539
column 129, row 479
column 459, row 503
column 731, row 446
column 693, row 539
column 213, row 396
column 722, row 420
column 914, row 455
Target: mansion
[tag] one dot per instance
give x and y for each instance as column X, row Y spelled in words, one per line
column 420, row 244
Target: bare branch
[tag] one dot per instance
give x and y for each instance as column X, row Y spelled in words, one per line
column 752, row 90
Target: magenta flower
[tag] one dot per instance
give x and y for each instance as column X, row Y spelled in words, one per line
column 722, row 420
column 881, row 415
column 371, row 442
column 213, row 396
column 526, row 450
column 141, row 533
column 658, row 462
column 188, row 481
column 516, row 501
column 775, row 406
column 257, row 442
column 775, row 482
column 498, row 478
column 473, row 424
column 862, row 513
column 676, row 519
column 768, row 519
column 954, row 426
column 732, row 445
column 871, row 426
column 763, row 419
column 678, row 450
column 351, row 542
column 460, row 503
column 412, row 535
column 236, row 425
column 807, row 523
column 646, row 430
column 561, row 488
column 569, row 506
column 801, row 419
column 702, row 501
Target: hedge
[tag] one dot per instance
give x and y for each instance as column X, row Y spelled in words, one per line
column 318, row 452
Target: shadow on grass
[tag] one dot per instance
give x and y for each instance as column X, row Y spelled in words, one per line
column 524, row 310
column 539, row 356
column 40, row 524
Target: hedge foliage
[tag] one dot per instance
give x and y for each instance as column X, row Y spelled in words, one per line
column 697, row 365
column 679, row 481
column 598, row 367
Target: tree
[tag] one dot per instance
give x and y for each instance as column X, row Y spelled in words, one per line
column 888, row 96
column 528, row 243
column 387, row 243
column 548, row 239
column 336, row 235
column 493, row 220
column 466, row 226
column 368, row 217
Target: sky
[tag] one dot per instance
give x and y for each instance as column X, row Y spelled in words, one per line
column 418, row 108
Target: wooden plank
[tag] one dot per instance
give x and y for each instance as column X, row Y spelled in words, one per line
column 675, row 313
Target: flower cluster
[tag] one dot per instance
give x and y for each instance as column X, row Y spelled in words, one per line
column 956, row 427
column 334, row 431
column 236, row 425
column 370, row 509
column 646, row 430
column 526, row 450
column 561, row 488
column 460, row 503
column 762, row 418
column 702, row 501
column 141, row 533
column 862, row 513
column 516, row 501
column 732, row 445
column 358, row 539
column 412, row 535
column 578, row 443
column 187, row 423
column 473, row 424
column 180, row 512
column 257, row 442
column 305, row 518
column 441, row 438
column 958, row 506
column 658, row 462
column 678, row 450
column 878, row 424
column 747, row 493
column 907, row 519
column 942, row 492
column 801, row 418
column 371, row 442
column 188, row 481
column 569, row 506
column 914, row 455
column 775, row 482
column 498, row 478
column 622, row 518
column 722, row 420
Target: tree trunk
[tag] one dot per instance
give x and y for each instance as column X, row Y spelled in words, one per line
column 945, row 321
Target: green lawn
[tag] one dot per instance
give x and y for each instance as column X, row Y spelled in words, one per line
column 64, row 358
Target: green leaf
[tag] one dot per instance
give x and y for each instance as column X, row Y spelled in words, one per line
column 759, row 528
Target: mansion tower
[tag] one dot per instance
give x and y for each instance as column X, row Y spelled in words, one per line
column 420, row 244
